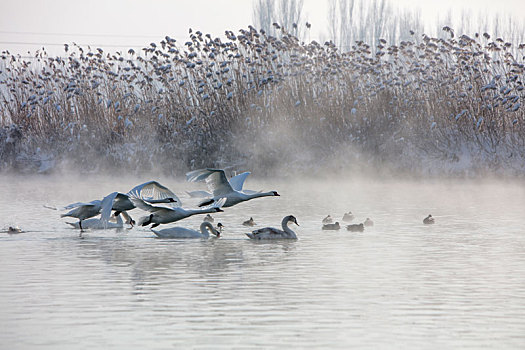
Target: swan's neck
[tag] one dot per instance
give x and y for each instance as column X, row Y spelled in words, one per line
column 284, row 224
column 206, row 227
column 261, row 194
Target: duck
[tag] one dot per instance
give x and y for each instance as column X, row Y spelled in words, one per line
column 328, row 220
column 347, row 217
column 332, row 226
column 182, row 232
column 250, row 222
column 208, row 218
column 165, row 215
column 368, row 222
column 220, row 187
column 356, row 228
column 14, row 230
column 429, row 220
column 273, row 233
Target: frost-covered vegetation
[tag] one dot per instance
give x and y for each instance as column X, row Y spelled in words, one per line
column 267, row 103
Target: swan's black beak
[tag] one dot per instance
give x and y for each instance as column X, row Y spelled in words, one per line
column 218, row 210
column 276, row 194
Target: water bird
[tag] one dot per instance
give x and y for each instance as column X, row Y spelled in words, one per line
column 14, row 230
column 328, row 220
column 165, row 215
column 333, row 227
column 182, row 232
column 429, row 220
column 368, row 222
column 273, row 233
column 355, row 228
column 250, row 222
column 347, row 217
column 97, row 224
column 220, row 187
column 208, row 218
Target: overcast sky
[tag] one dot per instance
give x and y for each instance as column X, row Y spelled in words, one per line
column 138, row 22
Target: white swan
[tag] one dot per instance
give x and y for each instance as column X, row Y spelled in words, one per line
column 97, row 224
column 220, row 187
column 151, row 191
column 164, row 215
column 236, row 182
column 273, row 233
column 182, row 232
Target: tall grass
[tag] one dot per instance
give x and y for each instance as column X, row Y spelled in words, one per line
column 267, row 103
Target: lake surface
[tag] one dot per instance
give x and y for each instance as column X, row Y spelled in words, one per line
column 400, row 284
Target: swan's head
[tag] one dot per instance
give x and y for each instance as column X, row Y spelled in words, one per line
column 292, row 218
column 275, row 193
column 171, row 200
column 218, row 210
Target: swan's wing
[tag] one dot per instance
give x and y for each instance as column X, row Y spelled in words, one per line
column 215, row 179
column 237, row 181
column 140, row 203
column 154, row 191
column 107, row 205
column 80, row 204
column 199, row 194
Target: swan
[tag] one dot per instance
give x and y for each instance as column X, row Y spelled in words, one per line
column 348, row 217
column 273, row 233
column 356, row 228
column 182, row 232
column 331, row 226
column 368, row 222
column 328, row 220
column 165, row 215
column 220, row 187
column 98, row 224
column 236, row 182
column 250, row 222
column 429, row 220
column 208, row 218
column 151, row 191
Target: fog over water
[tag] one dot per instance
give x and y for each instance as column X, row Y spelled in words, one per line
column 399, row 284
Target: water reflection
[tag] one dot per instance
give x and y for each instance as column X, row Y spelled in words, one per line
column 399, row 282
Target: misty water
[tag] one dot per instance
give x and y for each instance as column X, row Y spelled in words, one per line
column 400, row 284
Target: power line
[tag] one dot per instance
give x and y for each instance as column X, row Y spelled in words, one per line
column 58, row 44
column 82, row 34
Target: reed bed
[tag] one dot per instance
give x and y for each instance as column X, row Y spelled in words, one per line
column 432, row 106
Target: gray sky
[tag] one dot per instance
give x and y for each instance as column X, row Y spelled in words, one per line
column 138, row 22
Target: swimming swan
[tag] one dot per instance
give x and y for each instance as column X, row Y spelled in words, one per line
column 164, row 215
column 181, row 232
column 273, row 233
column 220, row 187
